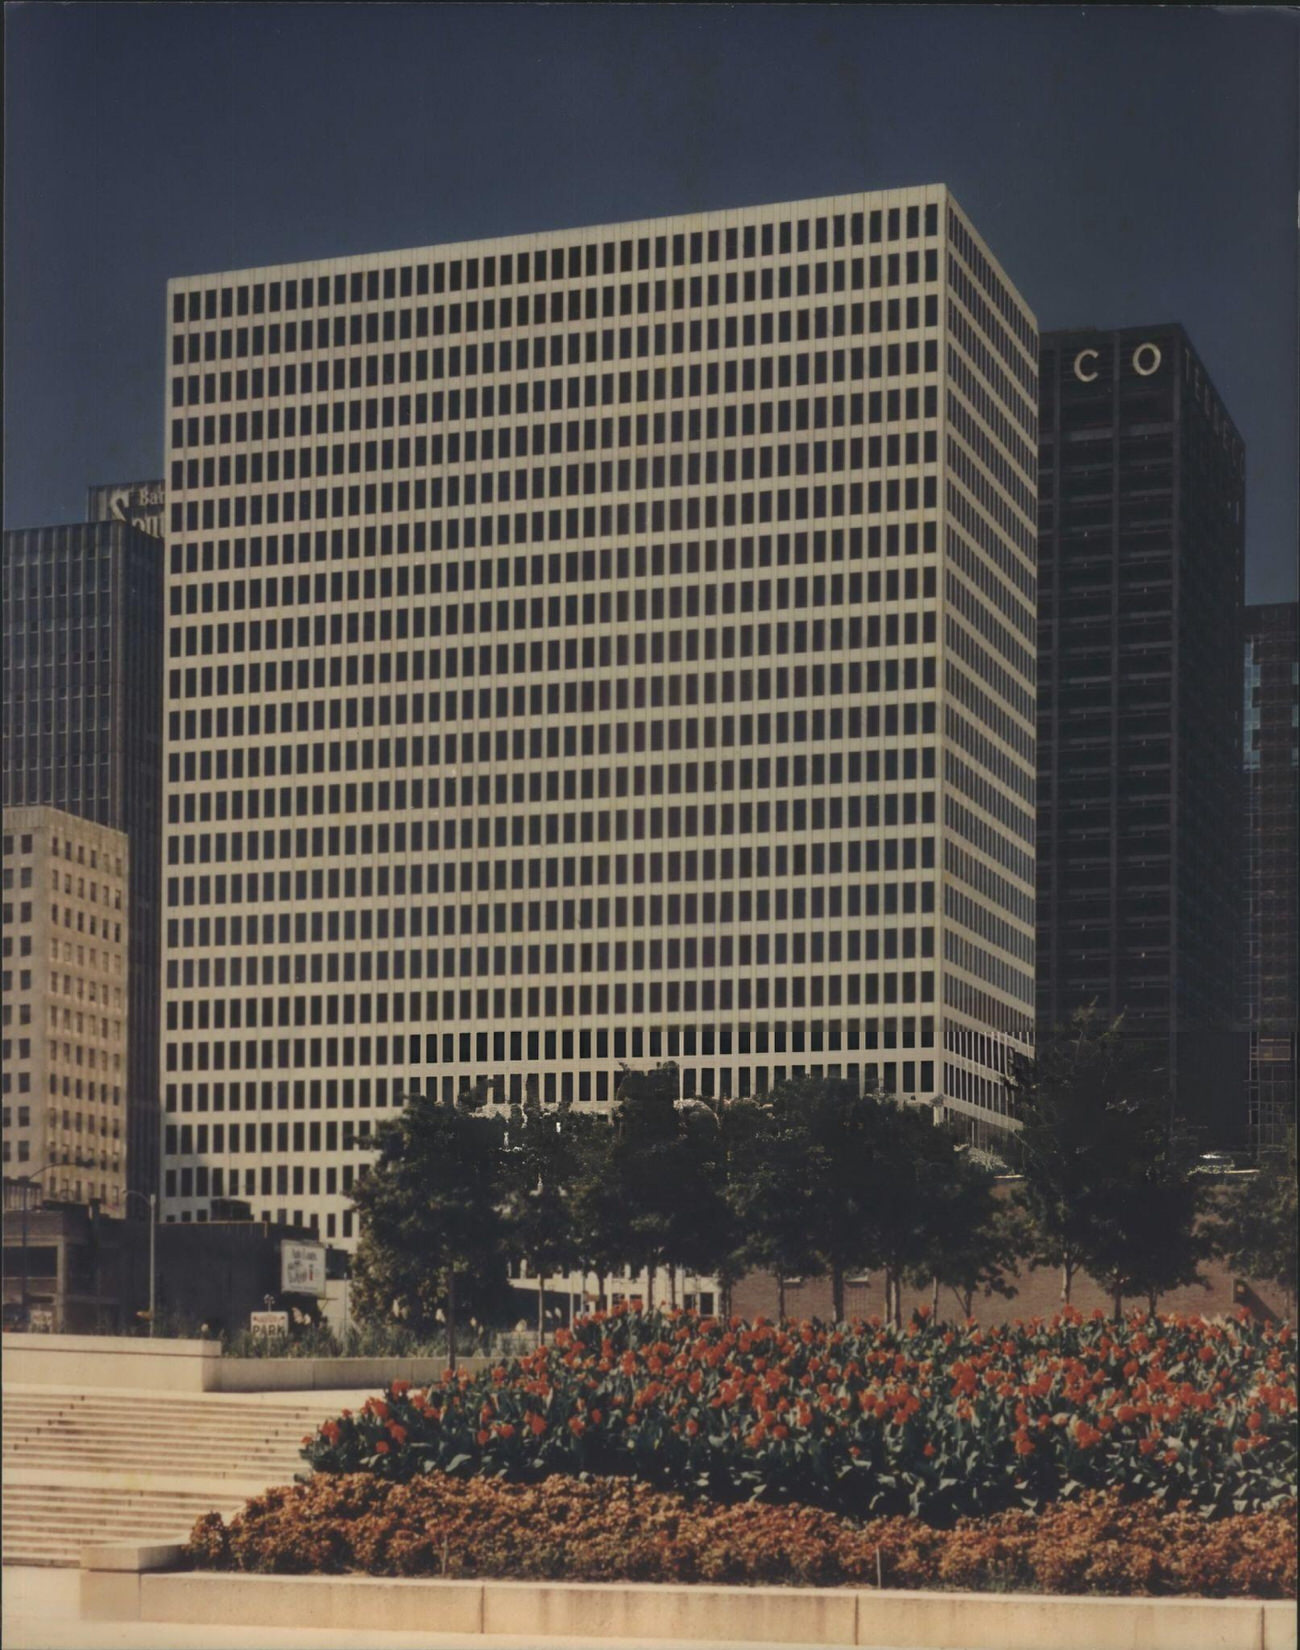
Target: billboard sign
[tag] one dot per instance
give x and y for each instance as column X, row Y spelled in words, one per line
column 302, row 1268
column 269, row 1323
column 138, row 502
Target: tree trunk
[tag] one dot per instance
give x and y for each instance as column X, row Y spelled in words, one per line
column 780, row 1297
column 934, row 1297
column 649, row 1288
column 837, row 1292
column 1117, row 1302
column 601, row 1297
column 898, row 1300
column 541, row 1310
column 1153, row 1302
column 451, row 1319
column 967, row 1301
column 672, row 1288
column 1067, row 1280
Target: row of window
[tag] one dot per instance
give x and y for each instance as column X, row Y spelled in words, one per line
column 823, row 814
column 660, row 428
column 695, row 379
column 595, row 960
column 787, row 862
column 535, row 741
column 568, row 263
column 644, row 474
column 604, row 607
column 753, row 328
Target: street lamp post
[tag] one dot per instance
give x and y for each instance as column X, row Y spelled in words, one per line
column 152, row 1201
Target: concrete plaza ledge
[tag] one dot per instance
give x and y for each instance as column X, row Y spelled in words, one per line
column 338, row 1374
column 112, row 1362
column 147, row 1583
column 130, row 1362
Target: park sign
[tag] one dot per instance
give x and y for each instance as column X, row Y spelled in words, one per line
column 269, row 1323
column 302, row 1268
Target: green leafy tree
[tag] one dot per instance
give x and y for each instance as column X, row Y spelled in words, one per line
column 838, row 1136
column 1144, row 1234
column 701, row 1227
column 643, row 1158
column 974, row 1238
column 1106, row 1171
column 771, row 1193
column 1253, row 1223
column 1058, row 1097
column 596, row 1208
column 541, row 1168
column 432, row 1230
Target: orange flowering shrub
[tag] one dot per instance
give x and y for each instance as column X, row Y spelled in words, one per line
column 867, row 1421
column 620, row 1530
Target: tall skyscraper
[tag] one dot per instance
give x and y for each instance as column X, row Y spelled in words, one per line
column 1271, row 708
column 608, row 645
column 65, row 1004
column 82, row 720
column 1141, row 520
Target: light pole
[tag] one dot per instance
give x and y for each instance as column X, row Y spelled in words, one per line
column 152, row 1201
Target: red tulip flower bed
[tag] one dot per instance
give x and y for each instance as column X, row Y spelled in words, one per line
column 932, row 1421
column 619, row 1530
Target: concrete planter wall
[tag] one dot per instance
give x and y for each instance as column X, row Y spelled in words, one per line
column 112, row 1361
column 145, row 1584
column 108, row 1361
column 335, row 1374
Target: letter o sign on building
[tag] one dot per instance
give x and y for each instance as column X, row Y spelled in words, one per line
column 1146, row 360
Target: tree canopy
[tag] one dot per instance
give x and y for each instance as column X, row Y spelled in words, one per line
column 432, row 1228
column 1107, row 1168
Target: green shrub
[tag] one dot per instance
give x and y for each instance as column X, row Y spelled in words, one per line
column 869, row 1421
column 611, row 1530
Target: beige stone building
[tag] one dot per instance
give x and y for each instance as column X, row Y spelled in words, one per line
column 64, row 982
column 607, row 645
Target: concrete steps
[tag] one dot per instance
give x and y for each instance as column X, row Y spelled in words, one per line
column 51, row 1524
column 84, row 1467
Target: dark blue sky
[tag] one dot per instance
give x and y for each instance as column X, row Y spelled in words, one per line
column 1126, row 166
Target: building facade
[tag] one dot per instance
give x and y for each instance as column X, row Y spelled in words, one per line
column 142, row 504
column 609, row 645
column 82, row 732
column 65, row 944
column 1271, row 710
column 1141, row 544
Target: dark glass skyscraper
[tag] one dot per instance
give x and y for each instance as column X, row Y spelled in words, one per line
column 1141, row 548
column 82, row 731
column 1271, row 707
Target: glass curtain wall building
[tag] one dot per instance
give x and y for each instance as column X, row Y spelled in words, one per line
column 1141, row 541
column 82, row 732
column 1271, row 708
column 608, row 645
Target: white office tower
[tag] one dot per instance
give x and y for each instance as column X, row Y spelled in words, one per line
column 602, row 646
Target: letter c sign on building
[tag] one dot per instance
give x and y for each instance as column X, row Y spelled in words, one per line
column 1146, row 360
